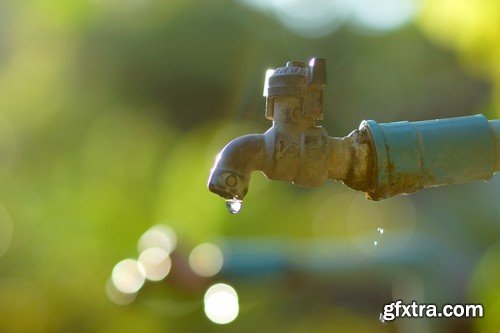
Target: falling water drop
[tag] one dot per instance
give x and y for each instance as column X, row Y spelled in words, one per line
column 380, row 232
column 233, row 205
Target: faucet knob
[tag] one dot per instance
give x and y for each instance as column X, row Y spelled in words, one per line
column 297, row 80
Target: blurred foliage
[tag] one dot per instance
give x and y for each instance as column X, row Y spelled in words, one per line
column 112, row 113
column 470, row 28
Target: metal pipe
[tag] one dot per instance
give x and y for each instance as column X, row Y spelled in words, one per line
column 414, row 155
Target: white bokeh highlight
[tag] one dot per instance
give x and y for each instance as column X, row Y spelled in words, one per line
column 156, row 263
column 221, row 303
column 128, row 276
column 159, row 236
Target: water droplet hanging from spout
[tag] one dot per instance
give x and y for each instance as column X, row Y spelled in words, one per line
column 234, row 205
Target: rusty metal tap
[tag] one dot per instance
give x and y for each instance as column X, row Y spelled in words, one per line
column 294, row 149
column 382, row 160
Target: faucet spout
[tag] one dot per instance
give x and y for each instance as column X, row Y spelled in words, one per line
column 230, row 176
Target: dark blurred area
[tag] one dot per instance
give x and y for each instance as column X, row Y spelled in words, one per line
column 112, row 112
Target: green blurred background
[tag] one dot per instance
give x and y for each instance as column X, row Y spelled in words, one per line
column 111, row 114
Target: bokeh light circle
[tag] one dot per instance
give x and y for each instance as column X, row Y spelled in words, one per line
column 159, row 236
column 128, row 276
column 206, row 259
column 156, row 263
column 221, row 303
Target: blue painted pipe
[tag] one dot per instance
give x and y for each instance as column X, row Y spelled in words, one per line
column 414, row 155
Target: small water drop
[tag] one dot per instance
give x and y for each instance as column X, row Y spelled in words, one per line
column 233, row 205
column 380, row 232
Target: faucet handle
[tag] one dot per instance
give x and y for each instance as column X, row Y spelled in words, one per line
column 317, row 68
column 313, row 106
column 297, row 80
